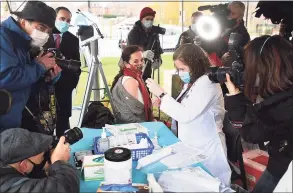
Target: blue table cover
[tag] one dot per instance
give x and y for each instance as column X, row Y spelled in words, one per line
column 165, row 138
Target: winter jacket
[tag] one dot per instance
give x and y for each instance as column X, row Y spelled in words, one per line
column 189, row 36
column 18, row 72
column 62, row 178
column 270, row 120
column 138, row 36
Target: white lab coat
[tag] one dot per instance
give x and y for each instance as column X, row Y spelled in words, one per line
column 200, row 117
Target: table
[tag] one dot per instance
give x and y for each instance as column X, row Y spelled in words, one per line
column 166, row 137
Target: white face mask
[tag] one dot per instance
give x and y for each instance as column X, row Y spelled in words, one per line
column 148, row 24
column 39, row 38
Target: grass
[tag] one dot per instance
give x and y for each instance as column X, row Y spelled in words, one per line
column 111, row 68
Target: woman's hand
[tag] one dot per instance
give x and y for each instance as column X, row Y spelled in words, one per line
column 233, row 90
column 154, row 88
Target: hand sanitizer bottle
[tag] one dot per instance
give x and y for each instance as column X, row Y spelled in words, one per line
column 103, row 142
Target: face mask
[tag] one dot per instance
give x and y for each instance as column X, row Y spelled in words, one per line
column 185, row 77
column 62, row 26
column 148, row 24
column 231, row 23
column 38, row 38
column 193, row 27
column 38, row 169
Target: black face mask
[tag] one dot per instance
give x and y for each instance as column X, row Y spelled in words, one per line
column 38, row 169
column 231, row 23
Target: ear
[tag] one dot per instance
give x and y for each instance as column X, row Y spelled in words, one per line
column 22, row 22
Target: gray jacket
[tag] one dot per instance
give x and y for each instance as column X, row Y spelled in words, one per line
column 127, row 109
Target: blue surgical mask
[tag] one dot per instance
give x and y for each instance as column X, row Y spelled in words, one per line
column 148, row 24
column 185, row 77
column 62, row 26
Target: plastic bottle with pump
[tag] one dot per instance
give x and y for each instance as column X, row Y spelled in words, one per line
column 103, row 142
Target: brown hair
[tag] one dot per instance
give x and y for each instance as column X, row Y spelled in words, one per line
column 270, row 58
column 195, row 58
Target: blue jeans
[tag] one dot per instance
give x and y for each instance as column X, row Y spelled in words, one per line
column 266, row 183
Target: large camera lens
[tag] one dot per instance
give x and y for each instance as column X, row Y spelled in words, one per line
column 218, row 75
column 73, row 135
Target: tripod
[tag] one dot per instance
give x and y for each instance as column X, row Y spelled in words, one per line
column 95, row 66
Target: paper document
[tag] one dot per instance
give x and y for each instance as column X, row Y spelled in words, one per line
column 184, row 155
column 126, row 129
column 190, row 180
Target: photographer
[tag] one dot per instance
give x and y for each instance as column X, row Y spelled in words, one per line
column 23, row 153
column 19, row 70
column 189, row 35
column 142, row 35
column 68, row 45
column 263, row 112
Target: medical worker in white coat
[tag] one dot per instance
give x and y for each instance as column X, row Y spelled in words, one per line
column 198, row 112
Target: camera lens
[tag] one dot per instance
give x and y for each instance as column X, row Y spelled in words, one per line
column 218, row 75
column 73, row 135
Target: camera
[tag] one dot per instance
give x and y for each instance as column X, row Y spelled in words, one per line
column 66, row 65
column 221, row 12
column 236, row 71
column 71, row 136
column 158, row 30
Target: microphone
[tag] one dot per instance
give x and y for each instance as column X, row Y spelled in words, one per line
column 6, row 100
column 205, row 7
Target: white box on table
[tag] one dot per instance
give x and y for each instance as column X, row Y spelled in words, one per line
column 93, row 167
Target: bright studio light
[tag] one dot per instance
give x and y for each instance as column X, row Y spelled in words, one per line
column 208, row 27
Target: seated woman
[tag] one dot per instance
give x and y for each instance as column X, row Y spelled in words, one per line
column 198, row 112
column 264, row 111
column 131, row 100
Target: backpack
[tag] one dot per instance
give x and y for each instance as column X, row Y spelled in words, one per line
column 97, row 116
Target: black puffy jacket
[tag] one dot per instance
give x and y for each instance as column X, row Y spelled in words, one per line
column 138, row 36
column 271, row 120
column 62, row 178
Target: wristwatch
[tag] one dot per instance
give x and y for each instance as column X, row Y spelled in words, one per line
column 162, row 95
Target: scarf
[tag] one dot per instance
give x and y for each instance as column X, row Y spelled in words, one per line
column 137, row 75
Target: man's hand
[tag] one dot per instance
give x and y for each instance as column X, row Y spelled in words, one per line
column 154, row 88
column 47, row 60
column 148, row 54
column 61, row 152
column 54, row 72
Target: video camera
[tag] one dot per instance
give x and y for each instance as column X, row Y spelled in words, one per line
column 66, row 65
column 158, row 30
column 221, row 12
column 236, row 71
column 71, row 136
column 6, row 100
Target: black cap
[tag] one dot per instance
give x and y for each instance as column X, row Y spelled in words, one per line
column 19, row 144
column 38, row 11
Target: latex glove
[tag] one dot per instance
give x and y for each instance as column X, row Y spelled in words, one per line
column 157, row 63
column 154, row 88
column 233, row 90
column 148, row 54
